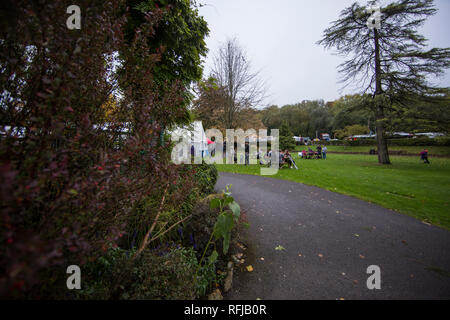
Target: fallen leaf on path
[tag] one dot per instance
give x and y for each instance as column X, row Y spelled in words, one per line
column 356, row 235
column 249, row 268
column 280, row 248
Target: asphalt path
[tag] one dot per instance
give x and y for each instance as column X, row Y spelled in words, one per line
column 327, row 241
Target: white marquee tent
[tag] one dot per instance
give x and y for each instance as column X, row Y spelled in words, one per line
column 196, row 135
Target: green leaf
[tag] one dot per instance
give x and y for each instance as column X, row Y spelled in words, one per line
column 223, row 225
column 213, row 257
column 236, row 209
column 215, row 203
column 226, row 242
column 228, row 199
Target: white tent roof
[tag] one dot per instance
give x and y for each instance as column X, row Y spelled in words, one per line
column 193, row 132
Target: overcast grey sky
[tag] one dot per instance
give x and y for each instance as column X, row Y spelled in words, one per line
column 280, row 40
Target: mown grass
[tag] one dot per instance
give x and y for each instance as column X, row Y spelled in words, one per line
column 408, row 185
column 434, row 150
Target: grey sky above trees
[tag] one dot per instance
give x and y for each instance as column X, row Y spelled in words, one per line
column 280, row 40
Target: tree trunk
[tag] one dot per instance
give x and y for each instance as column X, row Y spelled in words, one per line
column 383, row 153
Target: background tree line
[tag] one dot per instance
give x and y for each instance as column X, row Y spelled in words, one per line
column 391, row 67
column 349, row 115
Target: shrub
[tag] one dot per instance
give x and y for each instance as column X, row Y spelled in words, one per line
column 68, row 187
column 199, row 228
column 166, row 273
column 351, row 130
column 206, row 177
column 422, row 141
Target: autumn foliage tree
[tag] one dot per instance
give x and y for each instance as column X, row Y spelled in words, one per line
column 208, row 107
column 242, row 87
column 69, row 182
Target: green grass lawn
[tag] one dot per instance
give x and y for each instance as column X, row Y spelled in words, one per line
column 436, row 150
column 407, row 186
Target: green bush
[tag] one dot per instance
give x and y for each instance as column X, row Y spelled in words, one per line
column 440, row 141
column 167, row 273
column 197, row 231
column 443, row 141
column 423, row 141
column 206, row 177
column 161, row 271
column 143, row 213
column 361, row 142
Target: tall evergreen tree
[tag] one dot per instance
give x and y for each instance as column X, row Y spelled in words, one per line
column 389, row 61
column 286, row 138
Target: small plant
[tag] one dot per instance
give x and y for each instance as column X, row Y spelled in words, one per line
column 230, row 212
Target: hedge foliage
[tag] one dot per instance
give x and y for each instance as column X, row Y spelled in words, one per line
column 423, row 141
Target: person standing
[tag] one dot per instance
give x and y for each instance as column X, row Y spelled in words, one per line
column 424, row 156
column 324, row 152
column 247, row 154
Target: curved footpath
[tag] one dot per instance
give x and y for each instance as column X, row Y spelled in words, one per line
column 328, row 241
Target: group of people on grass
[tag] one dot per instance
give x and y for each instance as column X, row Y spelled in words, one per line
column 320, row 153
column 285, row 159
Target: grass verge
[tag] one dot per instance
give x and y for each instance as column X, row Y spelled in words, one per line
column 407, row 186
column 433, row 150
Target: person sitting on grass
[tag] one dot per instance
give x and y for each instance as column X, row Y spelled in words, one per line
column 281, row 158
column 304, row 155
column 424, row 156
column 319, row 152
column 287, row 158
